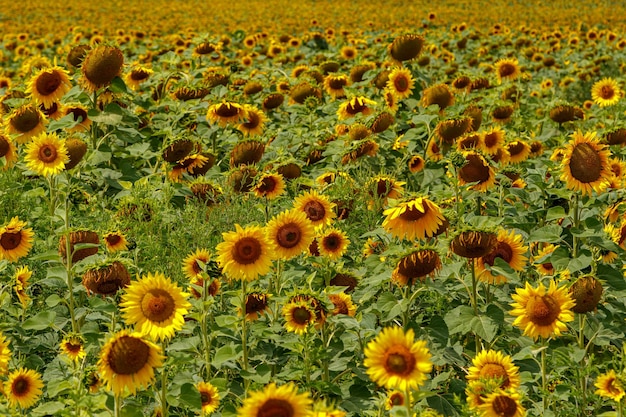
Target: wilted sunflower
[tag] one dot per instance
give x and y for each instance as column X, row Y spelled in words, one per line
column 416, row 265
column 78, row 237
column 115, row 241
column 245, row 253
column 155, row 306
column 48, row 85
column 15, row 240
column 137, row 76
column 585, row 164
column 502, row 113
column 226, row 112
column 438, row 94
column 406, row 47
column 502, row 404
column 401, row 83
column 507, row 69
column 76, row 150
column 606, row 92
column 73, row 347
column 354, row 106
column 317, row 208
column 395, row 360
column 254, row 123
column 291, row 233
column 22, row 275
column 343, row 304
column 610, row 386
column 100, row 66
column 8, row 151
column 298, row 314
column 510, row 248
column 25, row 122
column 5, row 354
column 447, row 131
column 209, row 397
column 494, row 365
column 473, row 243
column 586, row 292
column 566, row 113
column 23, row 388
column 127, row 361
column 46, row 155
column 283, row 401
column 334, row 85
column 333, row 243
column 270, row 186
column 542, row 313
column 418, row 218
column 476, row 171
column 246, row 152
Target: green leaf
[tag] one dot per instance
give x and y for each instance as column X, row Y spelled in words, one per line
column 438, row 330
column 484, row 327
column 226, row 321
column 582, row 261
column 550, row 233
column 118, row 85
column 41, row 321
column 224, row 354
column 459, row 319
column 53, row 300
column 190, row 396
column 261, row 374
column 612, row 276
column 48, row 408
column 555, row 213
column 443, row 404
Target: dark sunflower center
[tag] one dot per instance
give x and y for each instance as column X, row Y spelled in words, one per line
column 399, row 361
column 205, row 398
column 585, row 163
column 607, row 92
column 332, row 242
column 341, row 307
column 415, row 163
column 301, row 315
column 413, row 213
column 473, row 244
column 226, row 110
column 47, row 154
column 504, row 406
column 475, row 170
column 47, row 83
column 253, row 120
column 78, row 114
column 336, row 83
column 491, row 140
column 157, row 305
column 275, row 407
column 494, row 370
column 10, row 240
column 396, row 399
column 26, row 120
column 401, row 84
column 267, row 185
column 4, row 147
column 382, row 188
column 73, row 347
column 612, row 387
column 20, row 386
column 502, row 250
column 128, row 355
column 113, row 239
column 543, row 310
column 288, row 235
column 196, row 266
column 139, row 75
column 314, row 211
column 255, row 303
column 506, row 69
column 50, row 110
column 515, row 148
column 355, row 107
column 247, row 250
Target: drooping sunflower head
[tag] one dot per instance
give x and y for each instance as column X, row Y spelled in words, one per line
column 354, row 106
column 382, row 122
column 416, row 265
column 418, row 218
column 502, row 113
column 585, row 164
column 277, row 401
column 21, row 278
column 257, row 303
column 247, row 152
column 76, row 55
column 76, row 150
column 586, row 292
column 80, row 116
column 610, row 385
column 106, row 279
column 100, row 66
column 48, row 85
column 291, row 233
column 476, row 171
column 416, row 164
column 26, row 121
column 300, row 92
column 15, row 240
column 246, row 253
column 23, row 387
column 566, row 113
column 273, row 101
column 606, row 92
column 447, row 131
column 473, row 243
column 406, row 47
column 438, row 94
column 78, row 237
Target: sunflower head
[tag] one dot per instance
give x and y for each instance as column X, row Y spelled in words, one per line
column 247, row 152
column 439, row 94
column 273, row 101
column 477, row 171
column 586, row 292
column 100, row 66
column 566, row 113
column 106, row 279
column 23, row 387
column 16, row 240
column 406, row 47
column 449, row 130
column 26, row 121
column 277, row 401
column 473, row 243
column 245, row 253
column 611, row 385
column 606, row 92
column 585, row 164
column 416, row 265
column 78, row 237
column 76, row 150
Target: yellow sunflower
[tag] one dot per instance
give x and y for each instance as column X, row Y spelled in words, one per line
column 155, row 305
column 494, row 365
column 5, row 354
column 15, row 240
column 476, row 171
column 298, row 314
column 395, row 398
column 137, row 76
column 257, row 303
column 225, row 113
column 541, row 312
column 127, row 361
column 25, row 122
column 317, row 208
column 73, row 347
column 343, row 304
column 22, row 275
column 115, row 241
column 507, row 69
column 401, row 83
column 493, row 140
column 245, row 253
column 334, row 85
column 209, row 397
column 382, row 188
column 545, row 268
column 416, row 164
column 606, row 92
column 510, row 248
column 418, row 218
column 270, row 186
column 23, row 388
column 255, row 121
column 48, row 85
column 46, row 155
column 8, row 151
column 395, row 361
column 275, row 401
column 585, row 164
column 502, row 404
column 195, row 263
column 80, row 116
column 333, row 243
column 356, row 105
column 519, row 151
column 290, row 233
column 610, row 386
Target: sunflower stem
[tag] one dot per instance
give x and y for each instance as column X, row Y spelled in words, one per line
column 544, row 375
column 409, row 405
column 244, row 337
column 164, row 384
column 619, row 408
column 575, row 215
column 68, row 266
column 117, row 405
column 53, row 197
column 204, row 330
column 325, row 343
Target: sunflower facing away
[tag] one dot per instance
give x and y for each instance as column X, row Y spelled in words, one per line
column 209, row 397
column 46, row 154
column 127, row 361
column 610, row 386
column 155, row 305
column 225, row 113
column 510, row 248
column 275, row 401
column 22, row 275
column 541, row 312
column 23, row 388
column 606, row 92
column 290, row 233
column 494, row 365
column 395, row 361
column 8, row 151
column 5, row 354
column 418, row 218
column 416, row 265
column 49, row 85
column 317, row 208
column 15, row 240
column 585, row 164
column 245, row 253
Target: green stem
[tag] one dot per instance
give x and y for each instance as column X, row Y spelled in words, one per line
column 68, row 266
column 576, row 221
column 204, row 330
column 544, row 376
column 307, row 359
column 325, row 343
column 408, row 400
column 163, row 385
column 619, row 408
column 244, row 336
column 53, row 197
column 581, row 345
column 117, row 405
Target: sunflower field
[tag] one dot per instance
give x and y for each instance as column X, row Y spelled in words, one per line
column 312, row 209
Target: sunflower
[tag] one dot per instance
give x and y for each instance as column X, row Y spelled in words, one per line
column 395, row 398
column 395, row 361
column 254, row 123
column 585, row 164
column 15, row 240
column 510, row 248
column 541, row 312
column 127, row 361
column 507, row 69
column 226, row 112
column 416, row 164
column 106, row 279
column 473, row 243
column 355, row 106
column 48, row 85
column 343, row 304
column 606, row 92
column 317, row 208
column 406, row 47
column 290, row 233
column 245, row 253
column 298, row 314
column 5, row 354
column 23, row 388
column 80, row 116
column 493, row 140
column 469, row 141
column 333, row 243
column 545, row 268
column 209, row 397
column 449, row 130
column 257, row 303
column 334, row 85
column 26, row 121
column 22, row 275
column 100, row 66
column 438, row 94
column 418, row 218
column 586, row 292
column 115, row 241
column 391, row 101
column 137, row 75
column 401, row 83
column 275, row 401
column 270, row 186
column 502, row 404
column 155, row 305
column 519, row 151
column 73, row 347
column 494, row 365
column 195, row 263
column 383, row 188
column 416, row 265
column 476, row 171
column 46, row 155
column 610, row 386
column 8, row 151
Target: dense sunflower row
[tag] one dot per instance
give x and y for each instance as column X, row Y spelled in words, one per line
column 330, row 222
